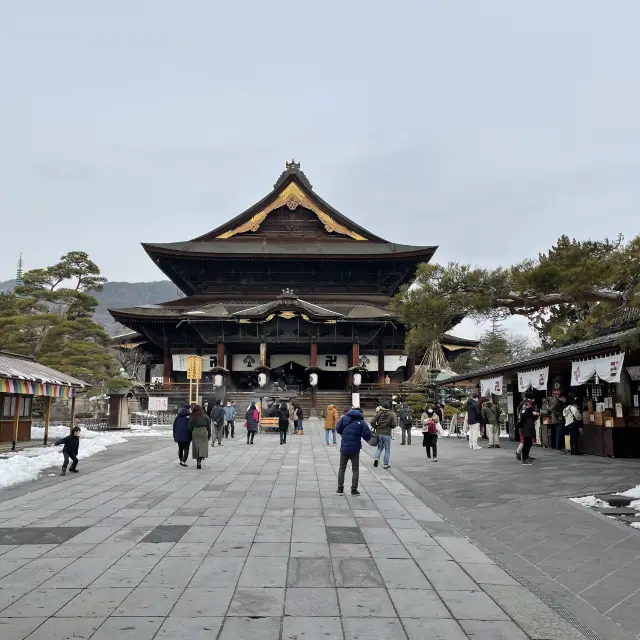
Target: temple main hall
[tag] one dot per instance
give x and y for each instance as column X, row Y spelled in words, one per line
column 288, row 285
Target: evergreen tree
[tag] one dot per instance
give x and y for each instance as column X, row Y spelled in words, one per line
column 49, row 317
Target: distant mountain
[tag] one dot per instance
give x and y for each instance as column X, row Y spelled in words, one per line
column 123, row 294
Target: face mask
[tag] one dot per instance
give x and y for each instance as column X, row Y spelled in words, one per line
column 430, row 411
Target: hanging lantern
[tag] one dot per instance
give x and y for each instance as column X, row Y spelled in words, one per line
column 217, row 380
column 357, row 379
column 313, row 379
column 262, row 379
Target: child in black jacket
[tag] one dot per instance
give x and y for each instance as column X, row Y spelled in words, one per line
column 70, row 450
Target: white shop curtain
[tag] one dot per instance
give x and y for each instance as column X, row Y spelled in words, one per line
column 533, row 379
column 492, row 385
column 607, row 368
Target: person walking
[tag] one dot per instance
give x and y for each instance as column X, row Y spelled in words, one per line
column 298, row 417
column 491, row 417
column 217, row 422
column 253, row 422
column 439, row 411
column 430, row 422
column 283, row 422
column 474, row 418
column 527, row 415
column 200, row 430
column 557, row 406
column 230, row 419
column 572, row 419
column 181, row 434
column 70, row 447
column 353, row 429
column 405, row 416
column 330, row 422
column 384, row 423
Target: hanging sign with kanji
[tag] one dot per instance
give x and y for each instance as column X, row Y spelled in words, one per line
column 194, row 368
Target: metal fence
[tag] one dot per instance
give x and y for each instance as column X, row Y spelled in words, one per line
column 149, row 418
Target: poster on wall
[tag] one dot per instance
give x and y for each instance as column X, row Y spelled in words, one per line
column 493, row 386
column 533, row 379
column 158, row 404
column 333, row 362
column 608, row 368
column 209, row 361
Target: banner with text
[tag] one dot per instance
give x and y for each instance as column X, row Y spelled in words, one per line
column 534, row 379
column 490, row 386
column 209, row 361
column 607, row 368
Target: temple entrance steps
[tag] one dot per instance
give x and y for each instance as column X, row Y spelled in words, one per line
column 341, row 399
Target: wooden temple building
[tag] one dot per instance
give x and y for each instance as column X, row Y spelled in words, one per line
column 288, row 285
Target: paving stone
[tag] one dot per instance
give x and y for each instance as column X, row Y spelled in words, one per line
column 34, row 573
column 39, row 536
column 349, row 550
column 312, row 602
column 311, row 572
column 447, row 576
column 489, row 574
column 80, row 573
column 40, row 603
column 309, row 550
column 494, row 630
column 197, row 602
column 472, row 605
column 67, row 629
column 244, row 628
column 356, row 572
column 401, row 574
column 148, row 601
column 199, row 628
column 462, row 550
column 138, row 628
column 312, row 628
column 257, row 601
column 198, row 533
column 94, row 602
column 218, row 571
column 345, row 535
column 264, row 572
column 365, row 603
column 418, row 603
column 172, row 572
column 233, row 549
column 190, row 549
column 382, row 629
column 31, row 551
column 426, row 628
column 167, row 533
column 18, row 628
column 270, row 549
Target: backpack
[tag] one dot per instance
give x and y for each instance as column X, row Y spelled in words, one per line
column 256, row 415
column 432, row 426
column 407, row 417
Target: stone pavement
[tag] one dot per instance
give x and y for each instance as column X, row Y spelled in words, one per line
column 521, row 517
column 257, row 545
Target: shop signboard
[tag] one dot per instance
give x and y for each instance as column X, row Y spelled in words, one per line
column 158, row 404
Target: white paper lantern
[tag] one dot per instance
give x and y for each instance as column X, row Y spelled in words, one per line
column 357, row 379
column 262, row 379
column 217, row 380
column 313, row 379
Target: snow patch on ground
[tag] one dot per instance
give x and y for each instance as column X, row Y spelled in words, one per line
column 631, row 493
column 590, row 501
column 27, row 464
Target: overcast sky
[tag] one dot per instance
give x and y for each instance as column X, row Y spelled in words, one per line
column 485, row 127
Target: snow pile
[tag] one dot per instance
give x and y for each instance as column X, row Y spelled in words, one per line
column 27, row 464
column 631, row 493
column 138, row 430
column 590, row 501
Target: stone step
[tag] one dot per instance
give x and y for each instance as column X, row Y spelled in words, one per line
column 635, row 518
column 615, row 500
column 617, row 511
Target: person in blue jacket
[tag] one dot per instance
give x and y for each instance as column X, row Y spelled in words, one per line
column 181, row 434
column 353, row 429
column 230, row 417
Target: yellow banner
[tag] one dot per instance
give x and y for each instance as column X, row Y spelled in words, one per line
column 194, row 368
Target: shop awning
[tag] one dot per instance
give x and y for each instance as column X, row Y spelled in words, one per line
column 607, row 368
column 493, row 386
column 533, row 379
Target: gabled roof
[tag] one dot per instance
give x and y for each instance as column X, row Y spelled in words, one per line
column 292, row 189
column 17, row 367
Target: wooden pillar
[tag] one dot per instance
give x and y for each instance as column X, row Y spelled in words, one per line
column 147, row 373
column 381, row 364
column 73, row 413
column 220, row 354
column 355, row 355
column 166, row 371
column 313, row 355
column 47, row 418
column 410, row 368
column 263, row 354
column 16, row 423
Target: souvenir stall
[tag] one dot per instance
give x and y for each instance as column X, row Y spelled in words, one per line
column 604, row 391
